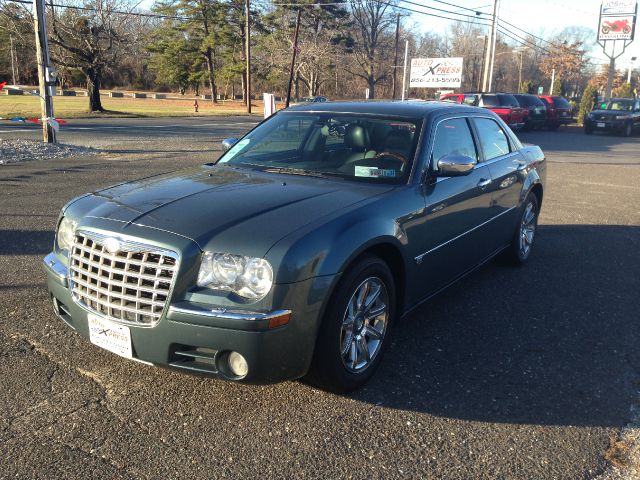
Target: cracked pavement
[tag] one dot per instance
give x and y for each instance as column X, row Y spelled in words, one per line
column 511, row 374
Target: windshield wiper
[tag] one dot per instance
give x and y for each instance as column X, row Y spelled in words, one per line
column 300, row 171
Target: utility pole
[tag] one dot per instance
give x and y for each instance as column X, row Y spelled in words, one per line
column 494, row 38
column 293, row 58
column 248, row 55
column 13, row 62
column 46, row 74
column 487, row 77
column 395, row 57
column 485, row 40
column 404, row 70
column 553, row 80
column 521, row 52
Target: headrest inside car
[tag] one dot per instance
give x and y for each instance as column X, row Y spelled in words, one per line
column 357, row 137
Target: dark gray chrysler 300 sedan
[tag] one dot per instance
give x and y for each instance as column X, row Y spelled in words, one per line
column 296, row 252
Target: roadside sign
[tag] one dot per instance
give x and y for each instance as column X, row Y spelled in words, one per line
column 616, row 27
column 540, row 90
column 617, row 20
column 436, row 72
column 618, row 7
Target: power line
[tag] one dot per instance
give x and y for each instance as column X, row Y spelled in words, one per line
column 524, row 31
column 524, row 41
column 476, row 16
column 118, row 12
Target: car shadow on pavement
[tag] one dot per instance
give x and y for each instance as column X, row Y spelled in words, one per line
column 21, row 242
column 552, row 343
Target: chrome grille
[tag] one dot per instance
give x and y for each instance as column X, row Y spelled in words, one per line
column 131, row 285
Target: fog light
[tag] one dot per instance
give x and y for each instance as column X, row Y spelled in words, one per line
column 237, row 364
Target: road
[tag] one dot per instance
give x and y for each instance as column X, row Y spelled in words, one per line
column 512, row 373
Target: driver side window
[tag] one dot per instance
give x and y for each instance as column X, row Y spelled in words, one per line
column 452, row 137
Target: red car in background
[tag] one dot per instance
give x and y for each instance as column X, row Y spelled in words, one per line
column 503, row 104
column 558, row 111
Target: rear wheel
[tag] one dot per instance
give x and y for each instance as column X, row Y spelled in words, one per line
column 354, row 332
column 552, row 127
column 628, row 129
column 588, row 129
column 521, row 245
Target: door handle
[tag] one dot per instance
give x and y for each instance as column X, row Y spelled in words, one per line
column 484, row 182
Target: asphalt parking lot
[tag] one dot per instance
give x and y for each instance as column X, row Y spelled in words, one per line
column 511, row 374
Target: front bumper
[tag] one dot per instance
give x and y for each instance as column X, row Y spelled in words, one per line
column 198, row 338
column 606, row 125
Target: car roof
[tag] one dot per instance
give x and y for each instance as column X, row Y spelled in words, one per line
column 410, row 109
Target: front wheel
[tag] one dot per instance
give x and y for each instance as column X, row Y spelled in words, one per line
column 354, row 332
column 628, row 129
column 519, row 251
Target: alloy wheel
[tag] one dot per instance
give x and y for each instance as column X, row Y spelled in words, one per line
column 364, row 324
column 527, row 230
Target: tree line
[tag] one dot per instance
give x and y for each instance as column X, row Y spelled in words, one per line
column 345, row 47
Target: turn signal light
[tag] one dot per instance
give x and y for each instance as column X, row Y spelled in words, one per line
column 279, row 320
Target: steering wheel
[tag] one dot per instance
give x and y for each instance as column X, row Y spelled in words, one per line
column 395, row 156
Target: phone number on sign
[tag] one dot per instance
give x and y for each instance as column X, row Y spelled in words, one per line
column 437, row 80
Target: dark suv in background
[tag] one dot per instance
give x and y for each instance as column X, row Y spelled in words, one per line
column 504, row 105
column 535, row 111
column 620, row 115
column 558, row 111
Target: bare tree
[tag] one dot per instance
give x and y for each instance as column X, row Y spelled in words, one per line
column 92, row 39
column 372, row 19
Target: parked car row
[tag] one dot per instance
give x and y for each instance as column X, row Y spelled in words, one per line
column 520, row 111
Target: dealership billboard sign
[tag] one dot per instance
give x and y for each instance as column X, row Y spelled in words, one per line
column 436, row 72
column 617, row 20
column 618, row 7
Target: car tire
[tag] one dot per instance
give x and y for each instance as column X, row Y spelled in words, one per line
column 341, row 363
column 552, row 127
column 588, row 130
column 519, row 250
column 628, row 129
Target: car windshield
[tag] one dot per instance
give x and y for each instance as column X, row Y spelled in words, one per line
column 561, row 102
column 508, row 100
column 626, row 105
column 490, row 101
column 350, row 146
column 529, row 101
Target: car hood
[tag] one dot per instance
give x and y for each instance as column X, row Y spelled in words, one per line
column 229, row 209
column 609, row 113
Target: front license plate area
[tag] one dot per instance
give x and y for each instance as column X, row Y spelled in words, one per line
column 601, row 125
column 110, row 336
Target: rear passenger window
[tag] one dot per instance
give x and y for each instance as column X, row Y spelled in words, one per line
column 470, row 100
column 453, row 137
column 493, row 139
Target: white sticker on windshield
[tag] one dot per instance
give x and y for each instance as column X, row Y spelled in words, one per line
column 233, row 151
column 373, row 172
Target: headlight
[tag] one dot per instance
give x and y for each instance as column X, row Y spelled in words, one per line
column 245, row 276
column 64, row 236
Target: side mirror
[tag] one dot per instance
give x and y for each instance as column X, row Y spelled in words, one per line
column 453, row 165
column 227, row 143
